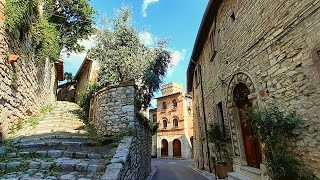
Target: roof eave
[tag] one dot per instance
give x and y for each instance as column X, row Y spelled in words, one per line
column 204, row 29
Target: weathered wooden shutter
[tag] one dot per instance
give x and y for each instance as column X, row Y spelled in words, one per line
column 225, row 118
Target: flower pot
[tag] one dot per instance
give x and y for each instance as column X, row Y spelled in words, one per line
column 13, row 58
column 223, row 169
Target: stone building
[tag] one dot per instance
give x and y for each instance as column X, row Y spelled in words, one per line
column 86, row 74
column 67, row 91
column 262, row 51
column 174, row 116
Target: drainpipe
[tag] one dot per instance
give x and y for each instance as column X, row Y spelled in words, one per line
column 204, row 114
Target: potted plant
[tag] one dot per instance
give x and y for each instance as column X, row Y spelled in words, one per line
column 222, row 157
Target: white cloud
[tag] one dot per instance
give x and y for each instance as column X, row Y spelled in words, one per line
column 145, row 6
column 146, row 38
column 73, row 62
column 176, row 58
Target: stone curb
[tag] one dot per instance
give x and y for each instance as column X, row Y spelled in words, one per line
column 113, row 171
column 205, row 173
column 153, row 172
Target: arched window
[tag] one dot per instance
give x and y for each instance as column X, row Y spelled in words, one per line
column 164, row 105
column 175, row 123
column 175, row 104
column 154, row 118
column 165, row 124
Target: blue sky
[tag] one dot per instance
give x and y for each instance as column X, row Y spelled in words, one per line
column 177, row 19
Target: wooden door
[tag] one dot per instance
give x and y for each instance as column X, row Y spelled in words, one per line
column 252, row 145
column 176, row 148
column 164, row 148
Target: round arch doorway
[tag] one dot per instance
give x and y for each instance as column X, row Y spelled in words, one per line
column 252, row 146
column 176, row 148
column 164, row 148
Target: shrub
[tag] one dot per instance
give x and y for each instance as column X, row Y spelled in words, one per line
column 84, row 100
column 216, row 137
column 276, row 128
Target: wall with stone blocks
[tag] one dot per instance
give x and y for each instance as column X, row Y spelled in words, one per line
column 131, row 161
column 25, row 86
column 112, row 110
column 112, row 114
column 274, row 43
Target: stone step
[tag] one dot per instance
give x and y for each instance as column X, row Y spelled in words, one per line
column 36, row 174
column 55, row 154
column 61, row 125
column 238, row 176
column 51, row 143
column 45, row 137
column 65, row 164
column 55, row 130
column 251, row 172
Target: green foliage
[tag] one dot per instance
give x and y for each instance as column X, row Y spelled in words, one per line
column 122, row 57
column 5, row 159
column 276, row 129
column 46, row 109
column 216, row 137
column 14, row 79
column 45, row 39
column 68, row 76
column 153, row 127
column 33, row 121
column 10, row 147
column 84, row 100
column 274, row 126
column 73, row 19
column 18, row 125
column 53, row 170
column 61, row 25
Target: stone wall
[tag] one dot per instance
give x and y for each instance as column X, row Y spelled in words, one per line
column 271, row 47
column 25, row 85
column 113, row 114
column 112, row 111
column 132, row 159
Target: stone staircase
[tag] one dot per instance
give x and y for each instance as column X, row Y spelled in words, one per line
column 59, row 147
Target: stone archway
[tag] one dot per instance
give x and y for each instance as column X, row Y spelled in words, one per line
column 176, row 148
column 241, row 92
column 164, row 148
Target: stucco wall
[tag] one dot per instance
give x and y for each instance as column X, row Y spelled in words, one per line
column 273, row 43
column 33, row 87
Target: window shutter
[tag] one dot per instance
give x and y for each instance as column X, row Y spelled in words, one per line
column 225, row 118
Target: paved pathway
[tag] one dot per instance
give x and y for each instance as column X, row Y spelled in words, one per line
column 168, row 169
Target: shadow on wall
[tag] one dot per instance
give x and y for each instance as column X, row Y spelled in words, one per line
column 175, row 147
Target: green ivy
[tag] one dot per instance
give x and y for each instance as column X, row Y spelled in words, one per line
column 45, row 38
column 22, row 16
